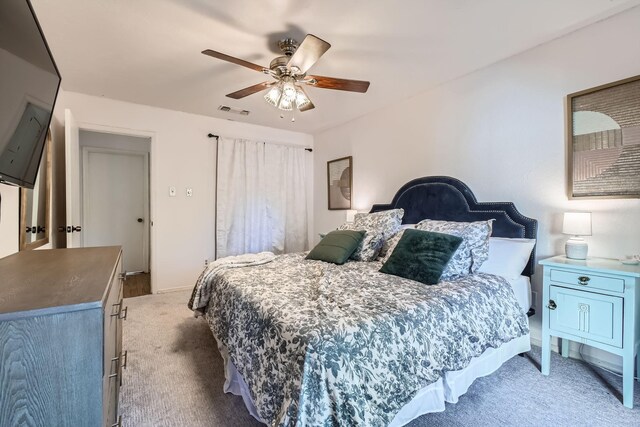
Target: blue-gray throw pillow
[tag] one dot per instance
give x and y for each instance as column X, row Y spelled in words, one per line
column 337, row 246
column 421, row 255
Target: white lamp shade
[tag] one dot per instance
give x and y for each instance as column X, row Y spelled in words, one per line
column 577, row 223
column 351, row 215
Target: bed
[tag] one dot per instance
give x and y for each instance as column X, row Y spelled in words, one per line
column 310, row 343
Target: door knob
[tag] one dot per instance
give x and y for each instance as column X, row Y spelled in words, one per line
column 140, row 220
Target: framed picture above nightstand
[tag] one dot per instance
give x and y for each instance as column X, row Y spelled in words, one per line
column 595, row 302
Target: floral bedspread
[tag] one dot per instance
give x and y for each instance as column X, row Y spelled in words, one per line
column 326, row 345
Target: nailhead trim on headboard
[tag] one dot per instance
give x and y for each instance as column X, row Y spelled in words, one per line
column 447, row 198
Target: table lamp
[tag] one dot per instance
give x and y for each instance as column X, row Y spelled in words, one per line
column 576, row 224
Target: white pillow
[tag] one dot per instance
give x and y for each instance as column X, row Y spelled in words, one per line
column 507, row 257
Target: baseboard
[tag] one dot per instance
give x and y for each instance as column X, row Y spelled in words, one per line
column 178, row 289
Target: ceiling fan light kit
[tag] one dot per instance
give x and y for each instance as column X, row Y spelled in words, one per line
column 290, row 73
column 285, row 95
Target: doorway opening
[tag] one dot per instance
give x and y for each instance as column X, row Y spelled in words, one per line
column 115, row 201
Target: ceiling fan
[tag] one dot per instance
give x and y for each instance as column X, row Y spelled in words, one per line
column 289, row 71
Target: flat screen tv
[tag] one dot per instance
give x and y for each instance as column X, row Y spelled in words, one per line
column 29, row 83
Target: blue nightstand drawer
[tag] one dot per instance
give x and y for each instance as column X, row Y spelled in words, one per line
column 586, row 315
column 613, row 284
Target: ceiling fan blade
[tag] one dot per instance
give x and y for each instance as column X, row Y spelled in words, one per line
column 308, row 106
column 234, row 60
column 337, row 84
column 250, row 90
column 308, row 53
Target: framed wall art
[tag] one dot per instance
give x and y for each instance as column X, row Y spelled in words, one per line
column 339, row 183
column 603, row 141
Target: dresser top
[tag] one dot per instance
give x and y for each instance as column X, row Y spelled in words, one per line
column 606, row 265
column 41, row 282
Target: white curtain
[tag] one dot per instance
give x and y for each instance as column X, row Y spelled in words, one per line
column 261, row 198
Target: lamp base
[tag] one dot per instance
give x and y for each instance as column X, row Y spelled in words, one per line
column 576, row 248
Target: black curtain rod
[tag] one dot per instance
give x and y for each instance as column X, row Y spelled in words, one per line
column 218, row 137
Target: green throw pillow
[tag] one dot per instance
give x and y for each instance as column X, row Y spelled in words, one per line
column 421, row 255
column 337, row 246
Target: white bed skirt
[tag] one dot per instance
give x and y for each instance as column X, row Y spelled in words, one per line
column 456, row 383
column 432, row 398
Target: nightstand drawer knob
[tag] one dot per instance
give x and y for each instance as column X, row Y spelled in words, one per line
column 583, row 280
column 552, row 305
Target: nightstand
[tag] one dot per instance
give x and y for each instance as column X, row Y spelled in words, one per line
column 594, row 302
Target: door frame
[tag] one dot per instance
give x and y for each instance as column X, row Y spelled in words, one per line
column 85, row 173
column 95, row 127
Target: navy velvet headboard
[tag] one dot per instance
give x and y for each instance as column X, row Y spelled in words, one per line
column 446, row 198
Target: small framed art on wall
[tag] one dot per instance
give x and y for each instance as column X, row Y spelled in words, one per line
column 339, row 183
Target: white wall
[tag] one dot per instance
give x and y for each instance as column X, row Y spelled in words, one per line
column 9, row 219
column 501, row 130
column 182, row 155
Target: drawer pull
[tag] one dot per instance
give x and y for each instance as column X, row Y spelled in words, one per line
column 121, row 363
column 125, row 358
column 123, row 313
column 117, row 313
column 117, row 360
column 583, row 280
column 552, row 305
column 119, row 423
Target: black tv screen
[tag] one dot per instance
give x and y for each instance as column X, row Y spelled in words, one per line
column 29, row 82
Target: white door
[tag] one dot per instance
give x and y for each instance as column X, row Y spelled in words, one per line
column 115, row 203
column 72, row 172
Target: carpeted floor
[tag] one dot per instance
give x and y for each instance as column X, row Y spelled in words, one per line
column 175, row 375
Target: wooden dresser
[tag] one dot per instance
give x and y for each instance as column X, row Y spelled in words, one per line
column 61, row 355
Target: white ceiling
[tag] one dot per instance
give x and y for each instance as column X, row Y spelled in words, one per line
column 148, row 51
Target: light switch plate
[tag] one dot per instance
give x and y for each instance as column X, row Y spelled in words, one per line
column 172, row 191
column 189, row 192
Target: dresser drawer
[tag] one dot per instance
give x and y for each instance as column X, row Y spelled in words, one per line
column 111, row 393
column 587, row 315
column 112, row 312
column 589, row 281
